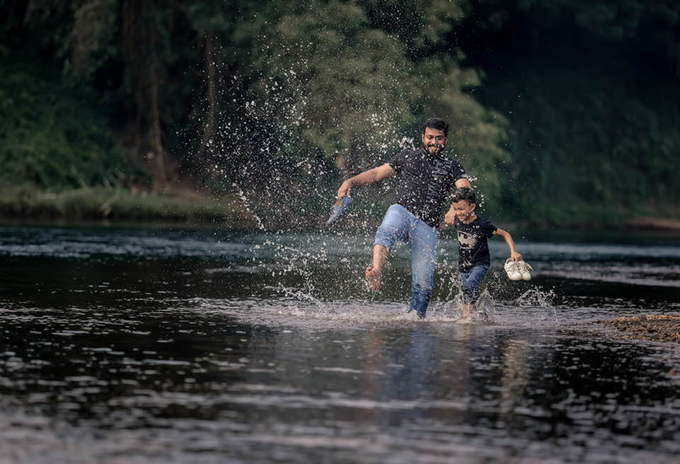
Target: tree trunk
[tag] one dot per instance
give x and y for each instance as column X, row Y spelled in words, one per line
column 209, row 122
column 157, row 163
column 143, row 77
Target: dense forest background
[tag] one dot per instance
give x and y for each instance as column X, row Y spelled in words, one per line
column 565, row 111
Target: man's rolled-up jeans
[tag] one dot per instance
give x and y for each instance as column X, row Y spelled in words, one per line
column 400, row 225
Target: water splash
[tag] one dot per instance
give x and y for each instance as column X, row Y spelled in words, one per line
column 297, row 261
column 483, row 311
column 298, row 294
column 242, row 196
column 535, row 298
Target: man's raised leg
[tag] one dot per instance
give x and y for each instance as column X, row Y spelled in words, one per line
column 394, row 227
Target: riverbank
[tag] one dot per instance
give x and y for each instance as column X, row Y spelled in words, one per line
column 112, row 204
column 653, row 223
column 184, row 205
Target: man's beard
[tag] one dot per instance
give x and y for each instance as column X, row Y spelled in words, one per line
column 439, row 147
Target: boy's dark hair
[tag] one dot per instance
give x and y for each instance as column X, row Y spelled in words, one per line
column 465, row 193
column 436, row 123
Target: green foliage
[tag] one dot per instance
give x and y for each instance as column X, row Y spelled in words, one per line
column 614, row 20
column 49, row 136
column 345, row 87
column 337, row 76
column 562, row 109
column 211, row 15
column 420, row 24
column 601, row 148
column 91, row 41
column 593, row 133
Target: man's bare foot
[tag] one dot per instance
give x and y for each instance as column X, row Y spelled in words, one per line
column 464, row 320
column 373, row 278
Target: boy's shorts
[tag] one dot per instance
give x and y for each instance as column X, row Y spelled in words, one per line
column 470, row 282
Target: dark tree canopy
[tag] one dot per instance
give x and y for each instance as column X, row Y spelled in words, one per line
column 557, row 107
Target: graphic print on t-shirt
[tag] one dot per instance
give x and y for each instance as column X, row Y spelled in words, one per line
column 466, row 240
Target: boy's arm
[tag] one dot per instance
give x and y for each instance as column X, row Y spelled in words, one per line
column 514, row 254
column 449, row 217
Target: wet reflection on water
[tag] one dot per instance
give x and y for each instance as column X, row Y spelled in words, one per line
column 121, row 346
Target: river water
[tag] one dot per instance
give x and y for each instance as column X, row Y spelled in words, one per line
column 158, row 345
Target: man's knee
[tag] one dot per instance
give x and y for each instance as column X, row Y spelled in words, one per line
column 423, row 273
column 385, row 236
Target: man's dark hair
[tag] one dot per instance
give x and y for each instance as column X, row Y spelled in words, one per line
column 465, row 193
column 436, row 123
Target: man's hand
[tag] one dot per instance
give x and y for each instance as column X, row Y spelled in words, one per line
column 344, row 190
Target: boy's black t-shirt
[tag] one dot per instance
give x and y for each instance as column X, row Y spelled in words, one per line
column 473, row 248
column 425, row 182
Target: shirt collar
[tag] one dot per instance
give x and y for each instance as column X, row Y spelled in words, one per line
column 425, row 154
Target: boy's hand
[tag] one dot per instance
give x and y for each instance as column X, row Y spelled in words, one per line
column 450, row 218
column 515, row 256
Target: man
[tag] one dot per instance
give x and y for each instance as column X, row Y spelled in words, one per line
column 426, row 177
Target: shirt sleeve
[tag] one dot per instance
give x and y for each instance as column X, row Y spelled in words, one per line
column 458, row 171
column 488, row 229
column 397, row 162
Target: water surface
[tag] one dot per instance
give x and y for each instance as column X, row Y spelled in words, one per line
column 122, row 345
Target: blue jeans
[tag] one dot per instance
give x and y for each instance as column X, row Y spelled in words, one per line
column 471, row 280
column 400, row 225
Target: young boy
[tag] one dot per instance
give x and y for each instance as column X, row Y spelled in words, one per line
column 473, row 250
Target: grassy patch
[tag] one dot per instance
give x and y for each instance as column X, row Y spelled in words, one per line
column 117, row 204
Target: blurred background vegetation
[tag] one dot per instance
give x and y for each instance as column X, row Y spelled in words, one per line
column 566, row 111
